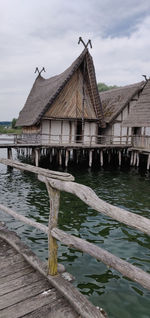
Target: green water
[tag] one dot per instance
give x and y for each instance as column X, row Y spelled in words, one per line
column 103, row 286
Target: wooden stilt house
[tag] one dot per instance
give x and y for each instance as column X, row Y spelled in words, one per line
column 65, row 108
column 117, row 105
column 138, row 119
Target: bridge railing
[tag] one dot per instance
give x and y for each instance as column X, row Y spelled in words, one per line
column 57, row 182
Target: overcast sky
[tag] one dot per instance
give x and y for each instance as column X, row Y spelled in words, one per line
column 45, row 33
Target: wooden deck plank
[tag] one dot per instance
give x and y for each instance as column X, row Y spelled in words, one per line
column 23, row 293
column 28, row 305
column 16, row 268
column 6, row 253
column 55, row 310
column 11, row 260
column 11, row 277
column 22, row 281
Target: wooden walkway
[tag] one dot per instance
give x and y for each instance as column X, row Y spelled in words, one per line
column 27, row 291
column 24, row 292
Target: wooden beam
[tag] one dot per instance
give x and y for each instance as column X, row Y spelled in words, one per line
column 45, row 172
column 125, row 268
column 88, row 196
column 24, row 219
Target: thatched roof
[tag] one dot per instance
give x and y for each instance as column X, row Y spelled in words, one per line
column 45, row 92
column 115, row 100
column 140, row 114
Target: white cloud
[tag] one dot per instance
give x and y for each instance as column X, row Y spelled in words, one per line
column 45, row 33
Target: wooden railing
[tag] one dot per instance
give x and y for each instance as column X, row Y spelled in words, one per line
column 11, row 138
column 57, row 182
column 87, row 140
column 141, row 142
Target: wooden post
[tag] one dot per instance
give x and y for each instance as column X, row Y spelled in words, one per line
column 135, row 156
column 54, row 196
column 50, row 156
column 109, row 156
column 77, row 156
column 37, row 157
column 148, row 162
column 101, row 158
column 33, row 154
column 131, row 159
column 66, row 158
column 119, row 155
column 60, row 158
column 138, row 159
column 90, row 158
column 9, row 153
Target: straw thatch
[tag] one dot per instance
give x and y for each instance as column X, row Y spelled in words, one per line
column 115, row 100
column 140, row 114
column 45, row 92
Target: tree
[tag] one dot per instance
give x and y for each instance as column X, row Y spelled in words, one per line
column 103, row 87
column 13, row 123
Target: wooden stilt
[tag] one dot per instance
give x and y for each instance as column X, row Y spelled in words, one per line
column 9, row 153
column 90, row 158
column 101, row 158
column 66, row 158
column 37, row 157
column 131, row 159
column 138, row 159
column 60, row 158
column 50, row 156
column 135, row 156
column 33, row 154
column 119, row 156
column 109, row 156
column 77, row 156
column 148, row 162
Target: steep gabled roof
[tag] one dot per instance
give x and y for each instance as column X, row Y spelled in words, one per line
column 45, row 91
column 115, row 100
column 140, row 113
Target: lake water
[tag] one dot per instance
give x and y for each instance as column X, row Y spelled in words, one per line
column 103, row 286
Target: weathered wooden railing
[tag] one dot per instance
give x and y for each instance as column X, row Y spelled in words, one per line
column 141, row 142
column 11, row 138
column 87, row 140
column 57, row 182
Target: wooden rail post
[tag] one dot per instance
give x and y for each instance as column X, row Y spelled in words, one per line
column 54, row 196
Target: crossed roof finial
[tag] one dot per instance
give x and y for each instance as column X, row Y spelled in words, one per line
column 85, row 45
column 37, row 70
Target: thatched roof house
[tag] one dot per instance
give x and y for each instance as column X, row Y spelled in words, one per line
column 140, row 113
column 71, row 96
column 115, row 100
column 117, row 104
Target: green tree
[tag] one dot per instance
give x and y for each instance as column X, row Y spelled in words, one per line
column 13, row 123
column 103, row 87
